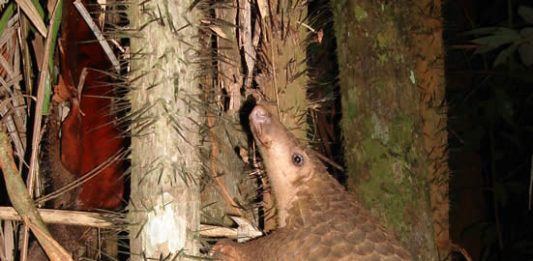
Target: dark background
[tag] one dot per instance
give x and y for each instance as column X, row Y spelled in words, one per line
column 489, row 77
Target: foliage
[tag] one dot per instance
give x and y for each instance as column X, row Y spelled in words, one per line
column 491, row 119
column 508, row 40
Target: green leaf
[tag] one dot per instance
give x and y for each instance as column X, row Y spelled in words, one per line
column 504, row 55
column 481, row 31
column 497, row 38
column 51, row 76
column 55, row 31
column 527, row 33
column 526, row 53
column 8, row 12
column 526, row 13
column 38, row 7
column 526, row 48
column 485, row 49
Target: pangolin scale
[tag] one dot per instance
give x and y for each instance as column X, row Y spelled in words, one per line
column 318, row 218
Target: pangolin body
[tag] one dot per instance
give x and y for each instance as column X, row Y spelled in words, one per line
column 318, row 219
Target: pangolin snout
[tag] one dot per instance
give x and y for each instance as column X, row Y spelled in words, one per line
column 259, row 116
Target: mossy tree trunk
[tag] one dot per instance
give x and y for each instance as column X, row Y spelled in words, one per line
column 166, row 119
column 392, row 88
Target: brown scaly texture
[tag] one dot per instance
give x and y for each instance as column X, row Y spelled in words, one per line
column 323, row 221
column 72, row 238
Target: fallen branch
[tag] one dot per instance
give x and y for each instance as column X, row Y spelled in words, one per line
column 98, row 220
column 64, row 217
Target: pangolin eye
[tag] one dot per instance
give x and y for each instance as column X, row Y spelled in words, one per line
column 297, row 159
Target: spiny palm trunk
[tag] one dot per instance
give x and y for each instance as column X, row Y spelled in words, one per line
column 165, row 202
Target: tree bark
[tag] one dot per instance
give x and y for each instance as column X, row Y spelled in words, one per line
column 166, row 119
column 392, row 88
column 283, row 79
column 283, row 75
column 259, row 45
column 232, row 192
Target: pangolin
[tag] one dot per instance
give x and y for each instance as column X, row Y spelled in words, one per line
column 318, row 219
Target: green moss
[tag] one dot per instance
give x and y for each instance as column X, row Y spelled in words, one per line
column 384, row 194
column 402, row 131
column 350, row 104
column 360, row 13
column 382, row 58
column 372, row 149
column 379, row 129
column 382, row 40
column 381, row 153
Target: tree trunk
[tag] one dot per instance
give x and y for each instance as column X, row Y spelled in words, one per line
column 283, row 72
column 259, row 43
column 283, row 79
column 392, row 89
column 232, row 192
column 166, row 119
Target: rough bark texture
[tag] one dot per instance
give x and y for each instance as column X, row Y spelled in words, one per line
column 428, row 48
column 258, row 43
column 283, row 71
column 391, row 77
column 283, row 52
column 319, row 220
column 229, row 189
column 165, row 201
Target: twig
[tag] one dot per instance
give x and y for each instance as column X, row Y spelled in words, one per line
column 65, row 217
column 463, row 252
column 329, row 161
column 307, row 26
column 246, row 40
column 86, row 177
column 98, row 220
column 99, row 36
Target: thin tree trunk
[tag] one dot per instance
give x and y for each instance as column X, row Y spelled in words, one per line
column 283, row 71
column 166, row 165
column 392, row 88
